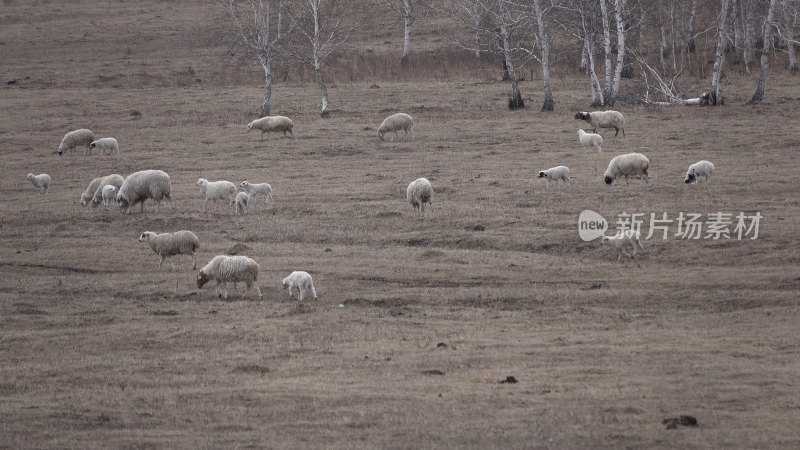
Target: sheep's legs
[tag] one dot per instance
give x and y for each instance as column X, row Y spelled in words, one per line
column 159, row 264
column 301, row 293
column 194, row 261
column 204, row 205
column 313, row 292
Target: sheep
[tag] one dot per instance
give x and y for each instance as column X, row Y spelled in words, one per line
column 104, row 144
column 555, row 174
column 395, row 122
column 75, row 139
column 628, row 165
column 241, row 202
column 139, row 186
column 604, row 119
column 224, row 269
column 170, row 244
column 621, row 241
column 418, row 193
column 217, row 190
column 114, row 179
column 272, row 123
column 699, row 168
column 41, row 182
column 590, row 140
column 87, row 195
column 258, row 188
column 109, row 194
column 302, row 281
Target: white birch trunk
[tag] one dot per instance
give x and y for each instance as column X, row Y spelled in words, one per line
column 716, row 88
column 408, row 22
column 515, row 102
column 790, row 21
column 736, row 26
column 620, row 14
column 266, row 64
column 544, row 44
column 749, row 34
column 690, row 45
column 758, row 95
column 606, row 48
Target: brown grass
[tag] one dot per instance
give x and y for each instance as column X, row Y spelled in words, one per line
column 419, row 318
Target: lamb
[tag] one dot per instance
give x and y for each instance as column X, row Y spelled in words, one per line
column 555, row 174
column 109, row 194
column 41, row 182
column 258, row 188
column 139, row 186
column 76, row 138
column 418, row 193
column 623, row 240
column 241, row 202
column 217, row 190
column 98, row 184
column 104, row 144
column 272, row 123
column 629, row 165
column 170, row 244
column 590, row 140
column 224, row 269
column 604, row 119
column 699, row 168
column 395, row 122
column 302, row 281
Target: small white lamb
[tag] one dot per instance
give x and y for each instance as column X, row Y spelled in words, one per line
column 241, row 202
column 697, row 169
column 104, row 144
column 41, row 182
column 217, row 190
column 622, row 241
column 109, row 194
column 590, row 140
column 258, row 188
column 555, row 174
column 302, row 281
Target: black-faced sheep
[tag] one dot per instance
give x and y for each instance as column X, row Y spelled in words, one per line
column 302, row 282
column 77, row 138
column 41, row 182
column 170, row 244
column 224, row 269
column 705, row 168
column 104, row 144
column 142, row 185
column 558, row 173
column 418, row 193
column 272, row 124
column 631, row 165
column 395, row 123
column 604, row 119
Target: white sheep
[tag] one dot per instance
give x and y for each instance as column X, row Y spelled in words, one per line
column 170, row 244
column 396, row 122
column 590, row 140
column 258, row 188
column 697, row 169
column 97, row 185
column 623, row 240
column 632, row 165
column 41, row 182
column 302, row 282
column 109, row 194
column 104, row 144
column 217, row 190
column 604, row 119
column 272, row 123
column 558, row 173
column 77, row 138
column 241, row 202
column 224, row 269
column 142, row 185
column 418, row 193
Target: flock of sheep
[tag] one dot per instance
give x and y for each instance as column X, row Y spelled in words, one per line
column 156, row 185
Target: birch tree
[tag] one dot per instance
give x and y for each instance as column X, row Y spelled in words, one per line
column 261, row 30
column 405, row 8
column 758, row 95
column 690, row 44
column 790, row 13
column 715, row 93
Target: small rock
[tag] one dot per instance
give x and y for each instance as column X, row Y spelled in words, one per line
column 673, row 422
column 433, row 372
column 509, row 379
column 441, row 345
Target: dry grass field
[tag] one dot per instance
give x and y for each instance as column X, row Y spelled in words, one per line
column 419, row 318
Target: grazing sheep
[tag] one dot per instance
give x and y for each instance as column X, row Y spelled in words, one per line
column 302, row 281
column 217, row 190
column 697, row 169
column 418, row 193
column 224, row 269
column 139, row 186
column 604, row 119
column 241, row 202
column 87, row 195
column 622, row 241
column 396, row 122
column 104, row 144
column 590, row 140
column 630, row 165
column 558, row 173
column 170, row 244
column 41, row 182
column 114, row 179
column 109, row 194
column 72, row 139
column 258, row 188
column 272, row 123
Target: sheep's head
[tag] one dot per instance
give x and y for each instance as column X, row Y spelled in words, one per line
column 93, row 144
column 202, row 279
column 285, row 283
column 605, row 240
column 84, row 199
column 250, row 126
column 30, row 177
column 609, row 180
column 380, row 132
column 542, row 174
column 582, row 115
column 690, row 178
column 145, row 236
column 60, row 151
column 245, row 184
column 122, row 202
